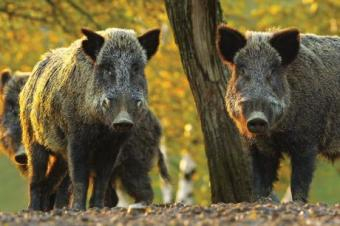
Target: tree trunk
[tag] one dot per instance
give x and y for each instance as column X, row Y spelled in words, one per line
column 194, row 25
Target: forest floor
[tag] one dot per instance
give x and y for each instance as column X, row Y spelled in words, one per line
column 259, row 213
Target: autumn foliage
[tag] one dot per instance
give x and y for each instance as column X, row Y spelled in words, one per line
column 30, row 28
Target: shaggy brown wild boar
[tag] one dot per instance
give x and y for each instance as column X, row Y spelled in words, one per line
column 133, row 165
column 80, row 104
column 284, row 96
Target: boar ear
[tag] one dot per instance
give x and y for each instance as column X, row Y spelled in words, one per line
column 229, row 41
column 150, row 42
column 92, row 44
column 287, row 44
column 5, row 76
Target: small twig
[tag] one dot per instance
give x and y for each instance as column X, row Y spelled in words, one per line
column 22, row 16
column 56, row 12
column 84, row 13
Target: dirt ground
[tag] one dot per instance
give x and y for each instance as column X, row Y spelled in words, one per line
column 260, row 213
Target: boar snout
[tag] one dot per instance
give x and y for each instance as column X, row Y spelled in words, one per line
column 123, row 122
column 257, row 123
column 21, row 156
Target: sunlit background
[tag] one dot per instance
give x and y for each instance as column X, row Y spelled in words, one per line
column 30, row 28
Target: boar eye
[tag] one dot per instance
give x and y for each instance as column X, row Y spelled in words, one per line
column 241, row 69
column 269, row 77
column 274, row 71
column 245, row 76
column 10, row 106
column 134, row 67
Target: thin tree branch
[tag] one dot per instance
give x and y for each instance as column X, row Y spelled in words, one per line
column 56, row 12
column 84, row 13
column 11, row 14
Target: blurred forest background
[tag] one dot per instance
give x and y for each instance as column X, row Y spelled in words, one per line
column 29, row 28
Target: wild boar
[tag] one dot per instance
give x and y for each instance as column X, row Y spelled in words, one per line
column 81, row 104
column 284, row 96
column 10, row 129
column 136, row 160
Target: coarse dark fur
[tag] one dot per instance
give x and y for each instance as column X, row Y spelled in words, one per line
column 290, row 83
column 10, row 129
column 132, row 168
column 80, row 104
column 136, row 160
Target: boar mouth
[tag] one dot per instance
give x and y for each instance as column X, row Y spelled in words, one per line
column 257, row 123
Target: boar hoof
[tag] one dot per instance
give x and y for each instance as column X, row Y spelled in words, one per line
column 137, row 208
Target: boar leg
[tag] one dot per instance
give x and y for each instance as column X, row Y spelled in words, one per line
column 79, row 172
column 137, row 183
column 38, row 162
column 104, row 165
column 63, row 193
column 111, row 197
column 57, row 172
column 265, row 166
column 303, row 164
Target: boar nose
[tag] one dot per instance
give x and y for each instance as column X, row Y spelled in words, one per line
column 21, row 157
column 123, row 122
column 257, row 122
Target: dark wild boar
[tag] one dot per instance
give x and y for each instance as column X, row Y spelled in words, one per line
column 136, row 160
column 10, row 129
column 284, row 96
column 133, row 165
column 81, row 104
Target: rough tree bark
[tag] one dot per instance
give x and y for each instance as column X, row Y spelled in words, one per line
column 194, row 25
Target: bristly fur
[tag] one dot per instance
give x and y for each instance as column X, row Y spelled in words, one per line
column 134, row 163
column 68, row 108
column 132, row 167
column 10, row 130
column 294, row 79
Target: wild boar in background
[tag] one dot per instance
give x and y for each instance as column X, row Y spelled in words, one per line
column 284, row 96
